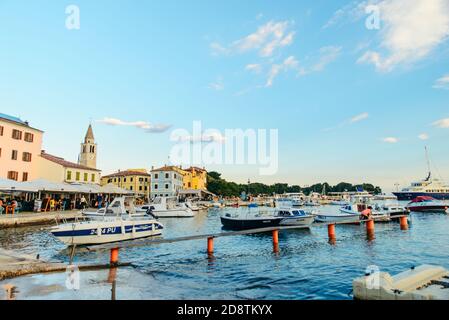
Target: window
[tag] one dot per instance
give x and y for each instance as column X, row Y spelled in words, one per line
column 14, row 155
column 0, row 152
column 146, row 188
column 92, row 178
column 78, row 175
column 16, row 134
column 175, row 176
column 26, row 156
column 110, row 181
column 13, row 175
column 156, row 176
column 190, row 185
column 140, row 179
column 29, row 137
column 1, row 130
column 25, row 176
column 124, row 179
column 86, row 177
column 69, row 175
column 166, row 186
column 132, row 179
column 131, row 188
column 167, row 175
column 140, row 188
column 156, row 187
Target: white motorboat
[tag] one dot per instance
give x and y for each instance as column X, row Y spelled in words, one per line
column 340, row 203
column 295, row 217
column 114, row 227
column 297, row 199
column 192, row 206
column 358, row 208
column 338, row 217
column 393, row 210
column 168, row 207
column 119, row 206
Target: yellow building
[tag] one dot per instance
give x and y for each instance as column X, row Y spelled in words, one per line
column 195, row 179
column 136, row 180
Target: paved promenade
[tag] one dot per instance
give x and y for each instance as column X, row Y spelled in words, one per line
column 42, row 218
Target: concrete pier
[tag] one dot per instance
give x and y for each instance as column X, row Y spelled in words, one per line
column 14, row 265
column 33, row 219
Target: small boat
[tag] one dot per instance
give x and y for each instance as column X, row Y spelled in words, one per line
column 168, row 207
column 427, row 204
column 119, row 206
column 312, row 203
column 249, row 220
column 393, row 210
column 340, row 203
column 192, row 206
column 358, row 208
column 297, row 199
column 123, row 225
column 295, row 217
column 338, row 217
column 425, row 282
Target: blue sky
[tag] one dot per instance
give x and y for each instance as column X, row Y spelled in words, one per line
column 349, row 102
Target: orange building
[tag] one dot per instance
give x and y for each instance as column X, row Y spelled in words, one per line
column 20, row 146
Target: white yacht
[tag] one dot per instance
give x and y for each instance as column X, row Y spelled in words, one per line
column 297, row 199
column 168, row 207
column 119, row 206
column 429, row 187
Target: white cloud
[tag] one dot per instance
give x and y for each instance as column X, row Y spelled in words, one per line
column 326, row 56
column 423, row 136
column 443, row 123
column 266, row 40
column 148, row 127
column 349, row 13
column 354, row 119
column 442, row 83
column 391, row 140
column 289, row 64
column 411, row 30
column 207, row 137
column 359, row 117
column 217, row 85
column 255, row 67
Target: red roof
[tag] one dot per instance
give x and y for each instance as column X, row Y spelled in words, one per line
column 195, row 169
column 127, row 173
column 65, row 163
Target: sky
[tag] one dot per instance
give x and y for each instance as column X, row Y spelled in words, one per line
column 356, row 89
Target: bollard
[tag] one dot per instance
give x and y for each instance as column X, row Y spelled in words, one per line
column 370, row 229
column 114, row 257
column 404, row 223
column 210, row 245
column 331, row 231
column 275, row 241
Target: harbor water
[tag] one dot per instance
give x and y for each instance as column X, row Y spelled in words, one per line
column 243, row 267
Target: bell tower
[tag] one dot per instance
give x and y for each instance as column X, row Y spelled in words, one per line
column 88, row 154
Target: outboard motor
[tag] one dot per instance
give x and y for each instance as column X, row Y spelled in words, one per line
column 150, row 212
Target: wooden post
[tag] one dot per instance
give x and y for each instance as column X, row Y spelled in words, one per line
column 114, row 257
column 275, row 241
column 210, row 245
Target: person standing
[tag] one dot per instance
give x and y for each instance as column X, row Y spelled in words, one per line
column 83, row 202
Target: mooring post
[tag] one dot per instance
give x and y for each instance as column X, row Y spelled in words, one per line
column 276, row 241
column 114, row 257
column 210, row 245
column 331, row 231
column 370, row 231
column 404, row 223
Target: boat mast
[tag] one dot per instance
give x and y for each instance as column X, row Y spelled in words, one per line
column 428, row 164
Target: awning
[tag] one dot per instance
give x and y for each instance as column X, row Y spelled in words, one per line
column 13, row 186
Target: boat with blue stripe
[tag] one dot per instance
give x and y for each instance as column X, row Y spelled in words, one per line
column 123, row 226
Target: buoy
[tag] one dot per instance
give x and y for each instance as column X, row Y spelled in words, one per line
column 210, row 245
column 404, row 223
column 114, row 257
column 275, row 241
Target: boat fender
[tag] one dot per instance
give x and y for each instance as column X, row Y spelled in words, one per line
column 99, row 232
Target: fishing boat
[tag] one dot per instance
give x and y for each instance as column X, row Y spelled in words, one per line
column 295, row 217
column 430, row 187
column 427, row 204
column 168, row 207
column 122, row 225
